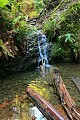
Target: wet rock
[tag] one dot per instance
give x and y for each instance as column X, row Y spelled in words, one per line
column 27, row 59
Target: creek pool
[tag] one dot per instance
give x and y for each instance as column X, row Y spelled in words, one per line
column 14, row 103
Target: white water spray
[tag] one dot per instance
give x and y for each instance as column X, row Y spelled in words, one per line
column 43, row 55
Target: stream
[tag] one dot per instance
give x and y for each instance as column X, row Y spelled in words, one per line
column 14, row 103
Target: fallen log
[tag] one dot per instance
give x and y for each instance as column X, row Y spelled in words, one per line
column 64, row 95
column 76, row 80
column 45, row 107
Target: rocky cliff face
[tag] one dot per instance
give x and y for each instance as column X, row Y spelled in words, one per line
column 26, row 59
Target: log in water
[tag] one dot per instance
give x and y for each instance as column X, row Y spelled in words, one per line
column 64, row 95
column 45, row 107
column 76, row 80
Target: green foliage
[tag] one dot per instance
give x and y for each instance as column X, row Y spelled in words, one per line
column 57, row 51
column 50, row 28
column 22, row 29
column 5, row 49
column 16, row 19
column 25, row 32
column 45, row 2
column 3, row 3
column 66, row 43
column 51, row 24
column 12, row 20
column 38, row 5
column 69, row 38
column 64, row 25
column 66, row 20
column 31, row 30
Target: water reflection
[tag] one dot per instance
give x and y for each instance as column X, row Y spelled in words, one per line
column 20, row 108
column 38, row 115
column 14, row 102
column 41, row 86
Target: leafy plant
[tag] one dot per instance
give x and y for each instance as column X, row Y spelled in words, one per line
column 69, row 41
column 38, row 5
column 57, row 51
column 69, row 38
column 6, row 50
column 62, row 27
column 64, row 46
column 3, row 3
column 67, row 20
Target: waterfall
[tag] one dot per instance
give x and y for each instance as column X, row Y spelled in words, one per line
column 43, row 52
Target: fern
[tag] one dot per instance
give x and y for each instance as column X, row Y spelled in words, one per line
column 7, row 51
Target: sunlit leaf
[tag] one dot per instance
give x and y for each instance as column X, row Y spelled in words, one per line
column 16, row 19
column 3, row 3
column 5, row 49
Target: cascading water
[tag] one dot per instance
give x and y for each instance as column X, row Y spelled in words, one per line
column 43, row 52
column 42, row 64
